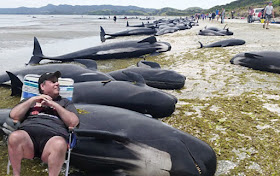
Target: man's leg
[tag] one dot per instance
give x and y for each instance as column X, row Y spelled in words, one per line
column 20, row 146
column 54, row 154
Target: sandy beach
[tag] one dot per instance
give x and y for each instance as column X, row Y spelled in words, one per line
column 232, row 108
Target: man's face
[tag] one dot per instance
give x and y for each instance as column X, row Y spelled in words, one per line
column 51, row 87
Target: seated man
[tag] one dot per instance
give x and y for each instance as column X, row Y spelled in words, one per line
column 44, row 129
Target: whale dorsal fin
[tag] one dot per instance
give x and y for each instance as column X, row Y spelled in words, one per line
column 135, row 77
column 151, row 40
column 16, row 84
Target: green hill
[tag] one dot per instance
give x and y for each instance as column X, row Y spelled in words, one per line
column 241, row 6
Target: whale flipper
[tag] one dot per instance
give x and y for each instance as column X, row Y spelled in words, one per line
column 148, row 64
column 135, row 77
column 151, row 40
column 98, row 134
column 90, row 64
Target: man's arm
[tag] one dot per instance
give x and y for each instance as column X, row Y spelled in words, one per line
column 19, row 111
column 69, row 118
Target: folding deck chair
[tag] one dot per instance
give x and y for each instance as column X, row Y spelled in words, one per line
column 30, row 89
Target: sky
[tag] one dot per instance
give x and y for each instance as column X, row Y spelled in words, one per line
column 155, row 4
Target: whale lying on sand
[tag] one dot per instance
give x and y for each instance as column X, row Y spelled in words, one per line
column 117, row 50
column 137, row 31
column 76, row 72
column 224, row 43
column 153, row 76
column 223, row 31
column 207, row 32
column 135, row 96
column 113, row 140
column 259, row 60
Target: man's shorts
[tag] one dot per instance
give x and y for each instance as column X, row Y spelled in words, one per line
column 39, row 137
column 268, row 17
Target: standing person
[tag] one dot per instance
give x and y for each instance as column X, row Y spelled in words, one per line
column 232, row 14
column 213, row 15
column 115, row 18
column 217, row 13
column 43, row 132
column 223, row 14
column 250, row 15
column 269, row 12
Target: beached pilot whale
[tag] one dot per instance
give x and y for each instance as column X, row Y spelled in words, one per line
column 113, row 139
column 225, row 30
column 117, row 50
column 224, row 43
column 137, row 31
column 116, row 141
column 153, row 75
column 135, row 96
column 259, row 60
column 76, row 72
column 207, row 32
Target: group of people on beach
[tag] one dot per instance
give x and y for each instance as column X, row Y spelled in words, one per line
column 266, row 13
column 213, row 15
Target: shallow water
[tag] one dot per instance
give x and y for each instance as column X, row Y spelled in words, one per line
column 57, row 34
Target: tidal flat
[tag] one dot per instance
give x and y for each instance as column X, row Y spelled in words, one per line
column 232, row 108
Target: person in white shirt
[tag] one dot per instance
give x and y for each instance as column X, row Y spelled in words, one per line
column 268, row 12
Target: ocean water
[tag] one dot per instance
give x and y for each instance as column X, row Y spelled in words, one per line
column 57, row 35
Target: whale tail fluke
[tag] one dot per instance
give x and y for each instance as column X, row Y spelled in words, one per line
column 201, row 45
column 225, row 26
column 16, row 84
column 102, row 34
column 37, row 53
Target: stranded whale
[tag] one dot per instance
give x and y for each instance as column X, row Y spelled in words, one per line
column 118, row 50
column 224, row 43
column 259, row 60
column 113, row 140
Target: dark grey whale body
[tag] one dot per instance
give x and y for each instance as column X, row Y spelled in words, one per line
column 153, row 76
column 134, row 96
column 117, row 50
column 259, row 60
column 224, row 43
column 76, row 72
column 116, row 141
column 136, row 31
